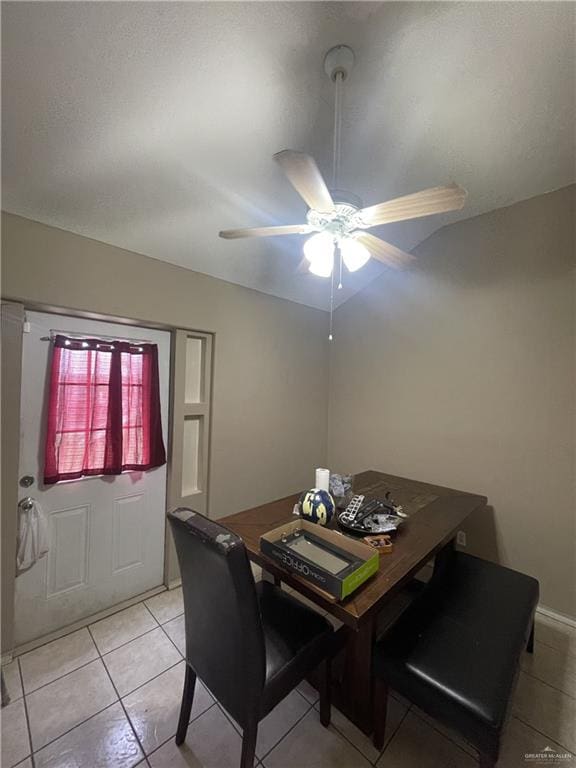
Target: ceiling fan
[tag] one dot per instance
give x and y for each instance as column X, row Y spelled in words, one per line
column 336, row 220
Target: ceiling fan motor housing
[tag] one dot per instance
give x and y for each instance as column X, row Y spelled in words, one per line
column 342, row 220
column 343, row 197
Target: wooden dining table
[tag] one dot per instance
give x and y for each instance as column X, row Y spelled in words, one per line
column 434, row 515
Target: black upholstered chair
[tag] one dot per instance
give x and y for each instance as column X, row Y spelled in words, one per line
column 250, row 644
column 455, row 651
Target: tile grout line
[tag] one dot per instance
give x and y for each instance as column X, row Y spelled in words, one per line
column 310, row 707
column 81, row 666
column 13, row 699
column 446, row 735
column 129, row 693
column 373, row 762
column 171, row 640
column 545, row 682
column 25, row 704
column 404, row 716
column 167, row 620
column 549, row 685
column 362, row 755
column 146, row 755
column 537, row 641
column 391, row 739
column 61, row 677
column 345, row 737
column 121, row 702
column 513, row 714
column 314, row 707
column 545, row 735
column 127, row 641
column 73, row 728
column 312, row 704
column 239, row 730
column 87, row 627
column 227, row 716
column 163, row 743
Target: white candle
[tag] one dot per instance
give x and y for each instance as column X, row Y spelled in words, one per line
column 323, row 479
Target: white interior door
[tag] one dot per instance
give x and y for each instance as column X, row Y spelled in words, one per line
column 106, row 534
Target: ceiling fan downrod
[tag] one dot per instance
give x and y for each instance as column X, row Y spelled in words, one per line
column 338, row 64
column 337, row 129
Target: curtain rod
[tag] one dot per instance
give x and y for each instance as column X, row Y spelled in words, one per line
column 54, row 333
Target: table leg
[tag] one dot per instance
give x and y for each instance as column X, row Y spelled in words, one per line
column 443, row 560
column 357, row 687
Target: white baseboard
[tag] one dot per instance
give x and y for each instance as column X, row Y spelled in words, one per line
column 556, row 616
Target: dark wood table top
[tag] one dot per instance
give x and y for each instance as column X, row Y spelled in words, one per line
column 435, row 515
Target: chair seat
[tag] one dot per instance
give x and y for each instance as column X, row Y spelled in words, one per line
column 296, row 639
column 456, row 649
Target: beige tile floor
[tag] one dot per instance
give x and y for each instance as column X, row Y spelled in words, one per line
column 108, row 697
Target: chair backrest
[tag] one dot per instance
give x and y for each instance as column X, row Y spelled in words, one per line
column 224, row 637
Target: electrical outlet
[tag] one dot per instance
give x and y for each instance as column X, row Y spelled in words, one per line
column 461, row 538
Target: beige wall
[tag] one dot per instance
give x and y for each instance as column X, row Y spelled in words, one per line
column 270, row 355
column 461, row 372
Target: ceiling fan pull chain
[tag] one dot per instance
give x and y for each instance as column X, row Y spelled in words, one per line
column 331, row 305
column 337, row 128
column 340, row 260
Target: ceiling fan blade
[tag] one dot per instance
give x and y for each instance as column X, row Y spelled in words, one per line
column 382, row 251
column 306, row 179
column 424, row 203
column 290, row 229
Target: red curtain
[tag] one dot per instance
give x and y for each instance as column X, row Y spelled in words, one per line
column 103, row 410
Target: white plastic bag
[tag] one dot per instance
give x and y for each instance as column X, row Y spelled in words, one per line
column 32, row 534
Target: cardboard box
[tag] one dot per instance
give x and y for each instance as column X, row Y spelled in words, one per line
column 363, row 560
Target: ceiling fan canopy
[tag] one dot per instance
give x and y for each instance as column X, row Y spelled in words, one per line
column 336, row 220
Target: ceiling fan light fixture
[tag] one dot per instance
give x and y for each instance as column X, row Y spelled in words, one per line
column 322, row 266
column 319, row 250
column 355, row 254
column 319, row 245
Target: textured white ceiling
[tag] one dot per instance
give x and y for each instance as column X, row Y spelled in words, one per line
column 152, row 125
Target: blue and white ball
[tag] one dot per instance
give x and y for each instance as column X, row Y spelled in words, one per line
column 317, row 506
